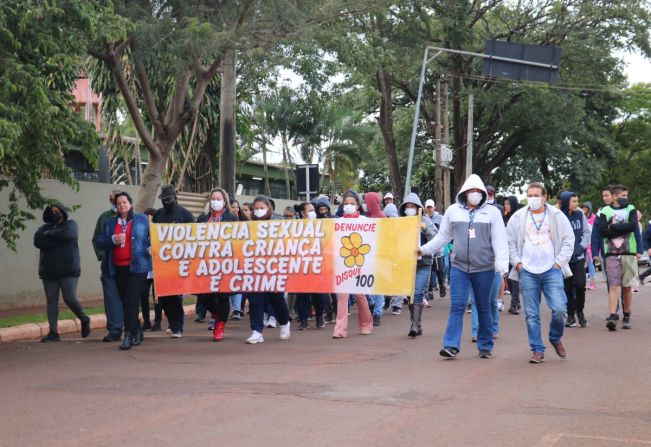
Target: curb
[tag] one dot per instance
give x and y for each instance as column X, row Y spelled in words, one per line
column 34, row 331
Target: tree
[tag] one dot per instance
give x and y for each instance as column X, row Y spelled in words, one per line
column 173, row 49
column 632, row 158
column 42, row 44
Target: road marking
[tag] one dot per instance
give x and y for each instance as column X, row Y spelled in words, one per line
column 550, row 439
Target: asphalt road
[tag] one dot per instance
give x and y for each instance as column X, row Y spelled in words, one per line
column 382, row 389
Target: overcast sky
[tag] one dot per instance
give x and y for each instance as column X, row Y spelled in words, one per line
column 638, row 69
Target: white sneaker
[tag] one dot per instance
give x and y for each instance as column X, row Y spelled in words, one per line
column 284, row 331
column 168, row 331
column 272, row 322
column 256, row 337
column 500, row 305
column 177, row 334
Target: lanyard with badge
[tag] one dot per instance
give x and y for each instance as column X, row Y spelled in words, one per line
column 538, row 225
column 471, row 224
column 124, row 223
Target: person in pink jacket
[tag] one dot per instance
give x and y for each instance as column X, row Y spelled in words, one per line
column 592, row 272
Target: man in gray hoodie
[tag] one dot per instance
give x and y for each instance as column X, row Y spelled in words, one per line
column 480, row 249
column 541, row 243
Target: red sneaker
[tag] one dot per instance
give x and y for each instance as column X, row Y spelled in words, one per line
column 218, row 333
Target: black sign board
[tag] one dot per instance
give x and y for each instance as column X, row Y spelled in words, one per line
column 518, row 69
column 307, row 180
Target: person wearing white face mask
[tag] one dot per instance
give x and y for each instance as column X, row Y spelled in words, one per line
column 541, row 243
column 217, row 303
column 351, row 210
column 305, row 301
column 480, row 249
column 428, row 230
column 263, row 210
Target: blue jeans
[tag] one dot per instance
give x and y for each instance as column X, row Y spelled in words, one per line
column 460, row 285
column 532, row 286
column 446, row 261
column 495, row 311
column 236, row 302
column 112, row 305
column 422, row 278
column 378, row 302
column 591, row 270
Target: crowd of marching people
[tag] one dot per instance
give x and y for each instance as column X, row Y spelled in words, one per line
column 477, row 252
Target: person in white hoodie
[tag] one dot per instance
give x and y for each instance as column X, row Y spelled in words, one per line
column 541, row 243
column 480, row 249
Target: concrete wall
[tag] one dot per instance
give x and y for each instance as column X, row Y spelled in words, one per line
column 20, row 285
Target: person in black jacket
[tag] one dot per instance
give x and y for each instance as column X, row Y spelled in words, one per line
column 172, row 212
column 217, row 303
column 59, row 267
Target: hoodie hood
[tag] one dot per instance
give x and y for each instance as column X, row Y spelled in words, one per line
column 47, row 212
column 372, row 200
column 566, row 196
column 323, row 201
column 412, row 198
column 472, row 182
column 588, row 205
column 390, row 210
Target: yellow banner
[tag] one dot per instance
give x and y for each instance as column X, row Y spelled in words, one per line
column 367, row 256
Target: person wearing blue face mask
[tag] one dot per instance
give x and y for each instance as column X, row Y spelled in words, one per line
column 480, row 249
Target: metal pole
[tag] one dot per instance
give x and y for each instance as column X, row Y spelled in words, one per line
column 307, row 181
column 471, row 103
column 497, row 58
column 414, row 127
column 438, row 183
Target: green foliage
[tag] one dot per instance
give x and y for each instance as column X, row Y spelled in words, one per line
column 632, row 132
column 41, row 47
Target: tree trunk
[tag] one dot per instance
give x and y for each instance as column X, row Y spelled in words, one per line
column 152, row 177
column 227, row 125
column 458, row 129
column 286, row 165
column 386, row 127
column 267, row 188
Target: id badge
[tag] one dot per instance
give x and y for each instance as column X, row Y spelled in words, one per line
column 471, row 233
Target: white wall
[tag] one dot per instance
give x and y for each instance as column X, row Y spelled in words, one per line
column 20, row 285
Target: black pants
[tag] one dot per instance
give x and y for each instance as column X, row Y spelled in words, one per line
column 130, row 287
column 144, row 301
column 575, row 288
column 438, row 269
column 173, row 308
column 218, row 304
column 330, row 304
column 514, row 288
column 646, row 273
column 305, row 301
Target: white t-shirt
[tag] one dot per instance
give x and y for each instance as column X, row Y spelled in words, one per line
column 538, row 251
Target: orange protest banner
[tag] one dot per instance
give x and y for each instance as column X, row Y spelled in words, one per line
column 370, row 256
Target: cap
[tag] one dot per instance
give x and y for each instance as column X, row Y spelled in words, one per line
column 167, row 192
column 490, row 189
column 429, row 202
column 388, row 195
